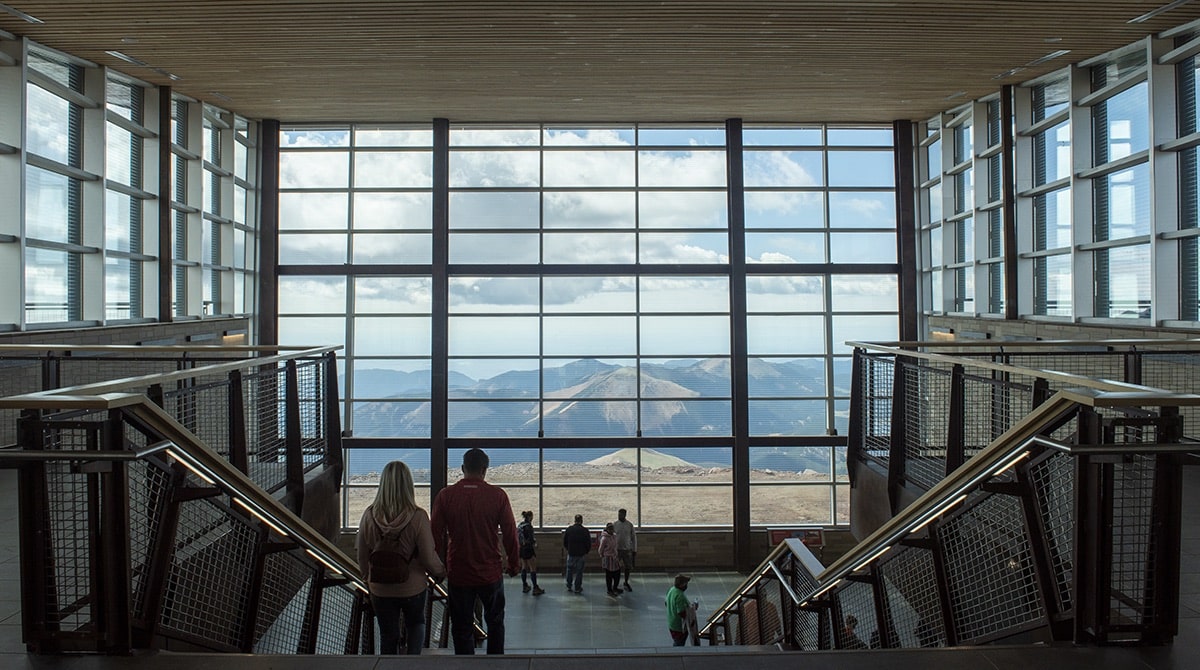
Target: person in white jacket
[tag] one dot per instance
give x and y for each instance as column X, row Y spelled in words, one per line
column 395, row 552
column 626, row 544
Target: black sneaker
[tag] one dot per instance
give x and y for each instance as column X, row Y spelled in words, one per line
column 579, row 590
column 524, row 588
column 628, row 587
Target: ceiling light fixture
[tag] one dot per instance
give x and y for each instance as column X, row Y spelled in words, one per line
column 220, row 96
column 956, row 94
column 1008, row 73
column 169, row 75
column 19, row 14
column 1155, row 12
column 127, row 58
column 1048, row 57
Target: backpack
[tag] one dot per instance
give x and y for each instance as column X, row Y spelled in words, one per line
column 387, row 564
column 525, row 533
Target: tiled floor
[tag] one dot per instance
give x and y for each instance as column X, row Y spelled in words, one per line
column 563, row 631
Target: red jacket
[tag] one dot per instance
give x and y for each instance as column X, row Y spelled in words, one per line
column 466, row 517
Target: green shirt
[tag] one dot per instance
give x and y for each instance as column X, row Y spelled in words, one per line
column 677, row 604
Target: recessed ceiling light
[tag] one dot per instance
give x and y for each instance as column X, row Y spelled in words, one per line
column 129, row 40
column 956, row 94
column 1155, row 12
column 1052, row 40
column 1008, row 73
column 1048, row 57
column 19, row 14
column 127, row 58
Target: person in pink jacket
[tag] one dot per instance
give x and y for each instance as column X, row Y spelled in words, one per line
column 396, row 544
column 609, row 560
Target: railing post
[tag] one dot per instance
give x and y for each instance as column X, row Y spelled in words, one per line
column 38, row 582
column 292, row 442
column 956, row 433
column 254, row 590
column 112, row 543
column 312, row 615
column 1040, row 552
column 1041, row 392
column 158, row 562
column 896, row 452
column 854, row 432
column 1093, row 522
column 238, row 454
column 1166, row 512
column 883, row 622
column 941, row 579
column 333, row 426
column 1133, row 366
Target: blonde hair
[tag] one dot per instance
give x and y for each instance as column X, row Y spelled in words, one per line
column 395, row 494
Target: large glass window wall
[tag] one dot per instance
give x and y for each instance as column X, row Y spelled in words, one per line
column 588, row 307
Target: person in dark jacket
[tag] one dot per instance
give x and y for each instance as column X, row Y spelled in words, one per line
column 394, row 522
column 577, row 540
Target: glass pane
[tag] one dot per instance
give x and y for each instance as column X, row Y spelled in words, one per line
column 494, row 169
column 494, row 378
column 311, row 295
column 687, row 465
column 684, row 248
column 314, row 169
column 883, row 328
column 589, row 335
column 783, row 168
column 312, row 211
column 786, row 377
column 787, row 417
column 687, row 506
column 497, row 295
column 1126, row 119
column 681, row 136
column 684, row 294
column 1052, row 220
column 860, row 137
column 588, row 168
column 862, row 209
column 120, row 276
column 785, row 247
column 118, row 155
column 506, row 466
column 590, row 418
column 398, row 295
column 494, row 336
column 562, row 503
column 681, row 168
column 309, row 249
column 314, row 137
column 494, row 137
column 862, row 248
column 861, row 168
column 686, row 418
column 378, row 379
column 492, row 419
column 622, row 136
column 393, row 249
column 683, row 209
column 391, row 336
column 48, row 198
column 677, row 378
column 1052, row 154
column 496, row 209
column 790, row 504
column 685, row 335
column 390, row 419
column 589, row 294
column 589, row 248
column 393, row 137
column 488, row 248
column 576, row 209
column 864, row 293
column 785, row 335
column 781, row 136
column 47, row 126
column 785, row 293
column 1128, row 282
column 590, row 378
column 784, row 209
column 47, row 275
column 311, row 331
column 1052, row 285
column 392, row 211
column 119, row 213
column 791, row 464
column 1125, row 197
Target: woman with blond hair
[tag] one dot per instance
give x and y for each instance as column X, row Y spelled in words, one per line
column 395, row 552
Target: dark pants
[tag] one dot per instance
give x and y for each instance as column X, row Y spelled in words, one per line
column 462, row 616
column 389, row 611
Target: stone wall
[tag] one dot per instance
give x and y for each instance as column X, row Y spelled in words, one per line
column 1026, row 329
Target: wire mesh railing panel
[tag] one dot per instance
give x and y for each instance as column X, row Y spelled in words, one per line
column 991, row 405
column 17, row 376
column 990, row 571
column 70, row 591
column 310, row 377
column 203, row 408
column 911, row 600
column 287, row 580
column 438, row 619
column 806, row 629
column 263, row 396
column 1053, row 481
column 877, row 383
column 149, row 493
column 760, row 621
column 1179, row 372
column 207, row 590
column 335, row 619
column 1132, row 577
column 856, row 603
column 1097, row 364
column 926, row 423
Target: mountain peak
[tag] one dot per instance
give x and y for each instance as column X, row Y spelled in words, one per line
column 650, row 459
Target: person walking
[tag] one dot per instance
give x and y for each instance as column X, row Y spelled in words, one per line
column 609, row 561
column 528, row 544
column 396, row 551
column 677, row 610
column 466, row 517
column 626, row 544
column 578, row 542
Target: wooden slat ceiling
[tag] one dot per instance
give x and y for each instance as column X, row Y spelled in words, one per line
column 580, row 62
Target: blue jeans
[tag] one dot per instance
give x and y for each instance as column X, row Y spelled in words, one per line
column 389, row 611
column 575, row 569
column 462, row 616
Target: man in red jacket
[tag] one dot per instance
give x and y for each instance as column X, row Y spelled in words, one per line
column 465, row 519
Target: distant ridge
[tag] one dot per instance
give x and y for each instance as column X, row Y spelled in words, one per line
column 650, row 459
